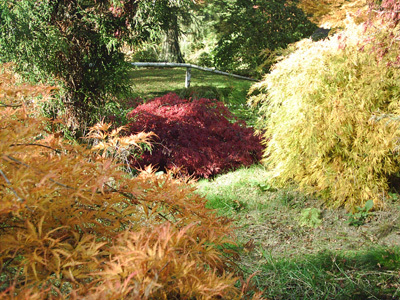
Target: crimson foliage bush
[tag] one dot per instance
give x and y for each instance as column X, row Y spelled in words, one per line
column 200, row 136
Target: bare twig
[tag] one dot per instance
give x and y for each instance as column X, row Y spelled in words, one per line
column 39, row 145
column 127, row 195
column 10, row 105
column 10, row 187
column 385, row 11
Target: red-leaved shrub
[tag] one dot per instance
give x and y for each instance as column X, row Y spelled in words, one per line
column 195, row 135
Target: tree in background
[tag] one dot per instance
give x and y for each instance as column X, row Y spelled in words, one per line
column 76, row 42
column 165, row 20
column 248, row 27
column 171, row 28
column 172, row 19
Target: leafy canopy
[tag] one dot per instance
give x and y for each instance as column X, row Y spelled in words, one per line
column 246, row 28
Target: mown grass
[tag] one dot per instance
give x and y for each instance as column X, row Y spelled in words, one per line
column 331, row 261
column 232, row 194
column 366, row 274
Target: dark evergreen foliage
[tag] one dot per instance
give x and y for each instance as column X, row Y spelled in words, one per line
column 250, row 30
column 76, row 42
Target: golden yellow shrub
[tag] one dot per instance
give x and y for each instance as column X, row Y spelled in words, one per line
column 329, row 111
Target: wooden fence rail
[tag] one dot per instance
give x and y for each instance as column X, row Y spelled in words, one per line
column 188, row 70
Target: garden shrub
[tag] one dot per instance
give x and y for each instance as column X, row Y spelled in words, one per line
column 200, row 135
column 205, row 59
column 73, row 225
column 331, row 112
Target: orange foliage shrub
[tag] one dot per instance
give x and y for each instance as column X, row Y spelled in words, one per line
column 74, row 225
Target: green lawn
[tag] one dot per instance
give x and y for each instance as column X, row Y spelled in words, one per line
column 295, row 258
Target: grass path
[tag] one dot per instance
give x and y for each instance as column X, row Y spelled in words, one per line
column 297, row 258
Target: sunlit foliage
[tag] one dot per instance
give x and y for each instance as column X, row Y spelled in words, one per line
column 196, row 135
column 74, row 225
column 331, row 112
column 333, row 13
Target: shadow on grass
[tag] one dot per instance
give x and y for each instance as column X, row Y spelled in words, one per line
column 331, row 261
column 363, row 274
column 164, row 80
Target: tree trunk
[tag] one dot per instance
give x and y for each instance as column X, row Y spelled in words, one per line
column 172, row 50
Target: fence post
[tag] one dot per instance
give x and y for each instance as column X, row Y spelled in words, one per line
column 188, row 76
